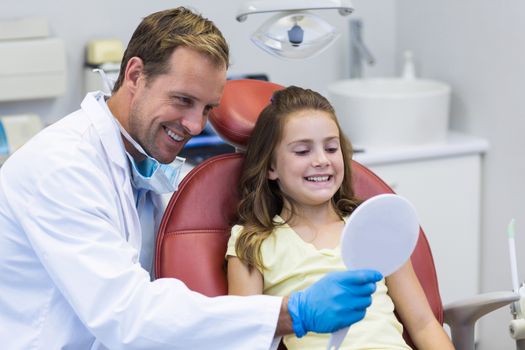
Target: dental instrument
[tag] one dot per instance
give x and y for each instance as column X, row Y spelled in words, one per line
column 512, row 255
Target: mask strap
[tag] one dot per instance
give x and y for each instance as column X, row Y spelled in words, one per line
column 108, row 83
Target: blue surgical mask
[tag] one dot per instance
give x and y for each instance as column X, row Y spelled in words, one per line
column 150, row 174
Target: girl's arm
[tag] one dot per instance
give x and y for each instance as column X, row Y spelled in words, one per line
column 241, row 280
column 412, row 307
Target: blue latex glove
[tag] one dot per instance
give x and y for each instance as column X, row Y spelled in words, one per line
column 337, row 300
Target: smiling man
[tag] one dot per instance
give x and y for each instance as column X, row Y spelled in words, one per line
column 80, row 205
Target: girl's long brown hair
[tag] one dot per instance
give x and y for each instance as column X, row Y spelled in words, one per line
column 261, row 198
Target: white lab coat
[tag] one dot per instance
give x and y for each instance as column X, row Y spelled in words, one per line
column 69, row 246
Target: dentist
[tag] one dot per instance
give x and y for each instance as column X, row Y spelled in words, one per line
column 79, row 206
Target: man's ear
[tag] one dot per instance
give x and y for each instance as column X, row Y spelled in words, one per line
column 134, row 71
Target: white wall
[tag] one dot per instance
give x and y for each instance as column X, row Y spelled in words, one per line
column 478, row 47
column 77, row 22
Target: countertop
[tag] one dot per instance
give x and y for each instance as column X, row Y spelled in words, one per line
column 455, row 144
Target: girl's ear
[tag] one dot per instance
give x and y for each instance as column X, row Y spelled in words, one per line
column 272, row 174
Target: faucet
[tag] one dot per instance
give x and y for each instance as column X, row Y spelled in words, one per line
column 358, row 50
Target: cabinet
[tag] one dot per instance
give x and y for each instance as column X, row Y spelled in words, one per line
column 443, row 181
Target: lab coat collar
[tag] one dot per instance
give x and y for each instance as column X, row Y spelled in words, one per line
column 106, row 128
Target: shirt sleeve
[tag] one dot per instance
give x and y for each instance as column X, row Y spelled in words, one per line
column 236, row 230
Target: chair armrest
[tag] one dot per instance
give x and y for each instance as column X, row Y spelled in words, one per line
column 462, row 315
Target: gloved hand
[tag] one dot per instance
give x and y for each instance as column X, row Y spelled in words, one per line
column 337, row 300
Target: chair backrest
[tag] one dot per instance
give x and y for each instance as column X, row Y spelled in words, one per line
column 192, row 238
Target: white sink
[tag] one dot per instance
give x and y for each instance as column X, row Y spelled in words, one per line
column 379, row 112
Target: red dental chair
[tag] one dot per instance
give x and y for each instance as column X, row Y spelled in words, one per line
column 192, row 238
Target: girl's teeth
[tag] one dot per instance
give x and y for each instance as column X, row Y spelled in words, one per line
column 317, row 178
column 173, row 135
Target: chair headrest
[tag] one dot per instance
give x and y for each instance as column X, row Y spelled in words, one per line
column 240, row 106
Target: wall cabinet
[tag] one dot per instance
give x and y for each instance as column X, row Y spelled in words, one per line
column 443, row 181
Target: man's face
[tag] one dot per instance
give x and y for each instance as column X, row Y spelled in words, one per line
column 170, row 108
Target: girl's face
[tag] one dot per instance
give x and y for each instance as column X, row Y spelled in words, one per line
column 308, row 162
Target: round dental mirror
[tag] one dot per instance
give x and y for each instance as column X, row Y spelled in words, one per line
column 380, row 234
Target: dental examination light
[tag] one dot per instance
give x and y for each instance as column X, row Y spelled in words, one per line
column 294, row 32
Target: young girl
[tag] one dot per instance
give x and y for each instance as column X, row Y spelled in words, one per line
column 296, row 194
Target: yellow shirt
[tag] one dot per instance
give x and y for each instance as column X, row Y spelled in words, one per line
column 293, row 264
